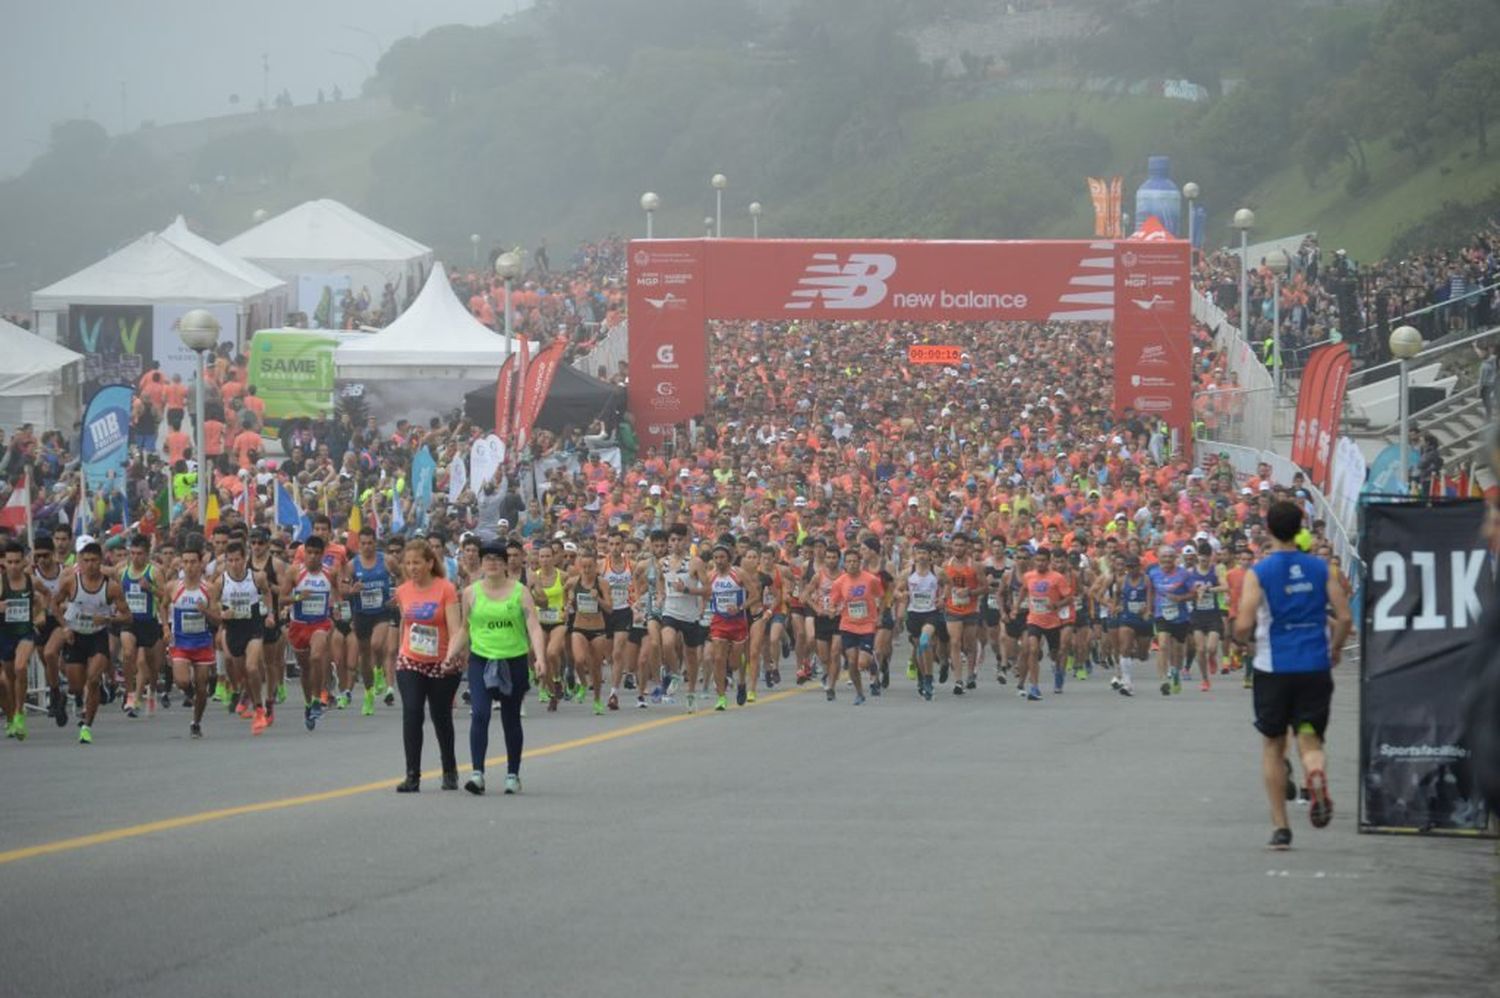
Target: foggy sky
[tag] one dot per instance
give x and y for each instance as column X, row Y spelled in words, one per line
column 181, row 59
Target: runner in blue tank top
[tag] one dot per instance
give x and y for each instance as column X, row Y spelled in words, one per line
column 368, row 583
column 1285, row 607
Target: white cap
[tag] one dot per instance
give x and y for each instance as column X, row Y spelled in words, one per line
column 800, row 501
column 1188, row 549
column 684, row 473
column 911, row 501
column 1265, row 486
column 656, row 490
column 84, row 540
column 502, row 522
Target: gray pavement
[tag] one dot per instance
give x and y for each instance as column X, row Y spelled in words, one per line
column 1087, row 845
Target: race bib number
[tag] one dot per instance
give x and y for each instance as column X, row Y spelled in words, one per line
column 192, row 622
column 767, row 598
column 638, row 616
column 422, row 639
column 137, row 599
column 726, row 603
column 1039, row 604
column 619, row 593
column 1065, row 612
column 922, row 603
column 547, row 615
column 1169, row 612
column 370, row 599
column 346, row 612
column 587, row 603
column 314, row 605
column 992, row 601
column 1208, row 601
column 18, row 610
column 241, row 607
column 858, row 611
column 1135, row 606
column 960, row 599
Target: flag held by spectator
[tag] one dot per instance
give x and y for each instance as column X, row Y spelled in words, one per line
column 289, row 514
column 13, row 514
column 355, row 522
column 211, row 518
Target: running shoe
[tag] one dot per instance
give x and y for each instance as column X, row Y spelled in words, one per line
column 580, row 692
column 690, row 704
column 18, row 728
column 1021, row 691
column 85, row 736
column 722, row 703
column 885, row 674
column 1320, row 809
column 629, row 681
column 971, row 683
column 640, row 702
column 260, row 722
column 943, row 672
column 958, row 689
column 10, row 727
column 828, row 694
column 614, row 701
column 599, row 708
column 1000, row 677
column 195, row 730
column 859, row 698
column 911, row 669
column 219, row 690
column 803, row 675
column 1081, row 672
column 875, row 689
column 1247, row 683
column 246, row 709
column 1166, row 688
column 315, row 714
column 1281, row 840
column 343, row 700
column 450, row 780
column 368, row 709
column 475, row 783
column 1114, row 682
column 1058, row 675
column 542, row 695
column 232, row 704
column 281, row 693
column 325, row 698
column 740, row 694
column 59, row 708
column 307, row 717
column 1033, row 693
column 512, row 784
column 927, row 690
column 1204, row 687
column 1176, row 684
column 1126, row 691
column 750, row 696
column 129, row 705
column 1290, row 789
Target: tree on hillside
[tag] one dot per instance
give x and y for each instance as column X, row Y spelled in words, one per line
column 607, row 32
column 1469, row 92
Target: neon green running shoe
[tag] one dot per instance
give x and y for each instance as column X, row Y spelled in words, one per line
column 85, row 736
column 1080, row 673
column 10, row 727
column 722, row 703
column 218, row 696
column 598, row 707
column 911, row 669
column 17, row 728
column 1176, row 684
column 368, row 710
column 281, row 693
column 542, row 695
column 750, row 697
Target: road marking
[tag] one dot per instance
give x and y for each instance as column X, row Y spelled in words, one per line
column 281, row 804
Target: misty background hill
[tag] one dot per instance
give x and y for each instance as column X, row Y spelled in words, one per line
column 1369, row 121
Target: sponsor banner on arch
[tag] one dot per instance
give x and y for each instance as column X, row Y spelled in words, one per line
column 668, row 343
column 1152, row 332
column 1428, row 581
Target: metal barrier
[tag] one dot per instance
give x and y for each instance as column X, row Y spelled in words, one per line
column 1252, row 423
column 607, row 353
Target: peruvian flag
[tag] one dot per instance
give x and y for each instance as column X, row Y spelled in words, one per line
column 504, row 396
column 538, row 383
column 14, row 513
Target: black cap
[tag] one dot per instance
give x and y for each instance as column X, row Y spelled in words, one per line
column 495, row 547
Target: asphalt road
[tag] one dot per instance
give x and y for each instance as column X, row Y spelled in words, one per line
column 1087, row 845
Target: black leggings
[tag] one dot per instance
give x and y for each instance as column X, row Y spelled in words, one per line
column 480, row 700
column 437, row 693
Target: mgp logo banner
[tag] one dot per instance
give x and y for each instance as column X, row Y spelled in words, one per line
column 1429, row 577
column 668, row 345
column 1153, row 332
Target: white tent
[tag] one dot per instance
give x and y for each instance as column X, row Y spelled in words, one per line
column 421, row 366
column 38, row 381
column 277, row 294
column 323, row 239
column 435, row 338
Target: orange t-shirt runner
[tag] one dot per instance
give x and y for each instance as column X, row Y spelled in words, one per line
column 961, row 577
column 858, row 596
column 424, row 623
column 1045, row 592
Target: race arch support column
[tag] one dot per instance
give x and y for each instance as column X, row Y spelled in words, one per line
column 668, row 342
column 1153, row 333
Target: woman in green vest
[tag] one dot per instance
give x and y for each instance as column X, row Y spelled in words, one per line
column 500, row 627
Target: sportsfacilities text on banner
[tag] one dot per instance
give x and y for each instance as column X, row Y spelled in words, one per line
column 1429, row 576
column 676, row 285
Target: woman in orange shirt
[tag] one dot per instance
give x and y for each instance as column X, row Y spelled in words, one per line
column 424, row 675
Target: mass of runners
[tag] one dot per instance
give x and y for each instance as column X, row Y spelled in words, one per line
column 838, row 514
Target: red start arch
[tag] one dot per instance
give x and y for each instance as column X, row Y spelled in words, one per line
column 676, row 286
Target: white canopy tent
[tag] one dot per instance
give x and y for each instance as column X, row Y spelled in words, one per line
column 38, row 381
column 421, row 366
column 277, row 294
column 435, row 338
column 323, row 239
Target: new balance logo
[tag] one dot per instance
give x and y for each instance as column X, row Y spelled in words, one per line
column 855, row 284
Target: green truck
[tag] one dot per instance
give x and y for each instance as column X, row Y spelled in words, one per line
column 292, row 372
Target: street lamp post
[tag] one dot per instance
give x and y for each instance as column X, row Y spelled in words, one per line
column 708, row 226
column 199, row 331
column 1405, row 343
column 755, row 219
column 508, row 268
column 649, row 203
column 1244, row 221
column 719, row 182
column 1276, row 263
column 474, row 242
column 1190, row 191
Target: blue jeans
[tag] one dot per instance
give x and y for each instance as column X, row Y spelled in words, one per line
column 481, row 704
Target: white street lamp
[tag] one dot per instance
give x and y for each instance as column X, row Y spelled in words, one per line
column 719, row 182
column 1244, row 221
column 199, row 331
column 649, row 203
column 508, row 268
column 1405, row 343
column 755, row 210
column 1276, row 263
column 474, row 242
column 1190, row 191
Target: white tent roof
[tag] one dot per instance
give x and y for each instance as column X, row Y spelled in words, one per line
column 437, row 331
column 25, row 355
column 151, row 270
column 179, row 235
column 324, row 230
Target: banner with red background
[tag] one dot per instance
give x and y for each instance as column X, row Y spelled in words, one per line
column 676, row 285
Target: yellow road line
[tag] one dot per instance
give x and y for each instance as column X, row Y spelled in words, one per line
column 281, row 804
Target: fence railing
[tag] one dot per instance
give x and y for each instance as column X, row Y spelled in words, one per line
column 1250, row 404
column 607, row 353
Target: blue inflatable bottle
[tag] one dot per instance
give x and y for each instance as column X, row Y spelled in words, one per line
column 1159, row 196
